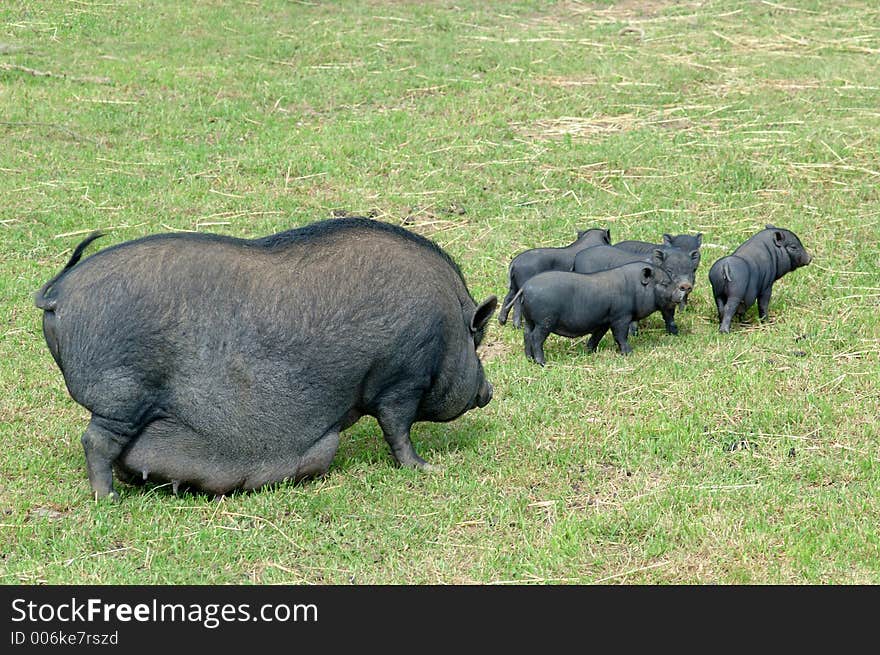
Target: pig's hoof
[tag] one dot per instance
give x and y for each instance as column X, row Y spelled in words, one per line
column 422, row 466
column 112, row 498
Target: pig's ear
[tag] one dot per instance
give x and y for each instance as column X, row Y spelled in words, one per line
column 581, row 234
column 699, row 238
column 608, row 235
column 483, row 313
column 778, row 238
column 659, row 255
column 647, row 274
column 667, row 240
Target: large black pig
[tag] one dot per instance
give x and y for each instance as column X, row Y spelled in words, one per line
column 575, row 304
column 537, row 260
column 747, row 275
column 225, row 364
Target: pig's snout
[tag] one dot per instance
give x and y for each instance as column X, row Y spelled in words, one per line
column 484, row 395
column 807, row 258
column 683, row 290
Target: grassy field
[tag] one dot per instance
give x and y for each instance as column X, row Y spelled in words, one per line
column 491, row 128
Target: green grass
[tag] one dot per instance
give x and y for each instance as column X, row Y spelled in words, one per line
column 703, row 458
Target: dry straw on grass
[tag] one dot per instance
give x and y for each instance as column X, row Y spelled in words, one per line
column 597, row 125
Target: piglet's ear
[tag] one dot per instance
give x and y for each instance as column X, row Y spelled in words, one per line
column 778, row 238
column 659, row 255
column 483, row 313
column 699, row 238
column 667, row 240
column 608, row 236
column 581, row 234
column 647, row 274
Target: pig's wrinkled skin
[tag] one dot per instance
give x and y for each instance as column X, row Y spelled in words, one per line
column 223, row 363
column 538, row 260
column 575, row 304
column 677, row 264
column 747, row 275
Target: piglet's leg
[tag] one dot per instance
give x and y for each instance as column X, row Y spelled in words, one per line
column 534, row 335
column 538, row 337
column 669, row 318
column 596, row 337
column 620, row 331
column 719, row 305
column 764, row 302
column 517, row 314
column 527, row 339
column 730, row 308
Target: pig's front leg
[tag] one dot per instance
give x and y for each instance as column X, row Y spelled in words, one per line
column 620, row 330
column 669, row 319
column 764, row 302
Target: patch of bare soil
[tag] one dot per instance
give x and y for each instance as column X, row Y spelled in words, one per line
column 490, row 349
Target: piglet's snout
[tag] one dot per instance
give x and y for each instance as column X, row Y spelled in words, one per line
column 683, row 290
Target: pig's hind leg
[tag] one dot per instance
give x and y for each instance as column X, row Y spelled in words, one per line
column 103, row 441
column 596, row 337
column 534, row 336
column 517, row 313
column 527, row 339
column 719, row 305
column 731, row 307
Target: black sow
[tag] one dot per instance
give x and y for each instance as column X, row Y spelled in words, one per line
column 224, row 364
